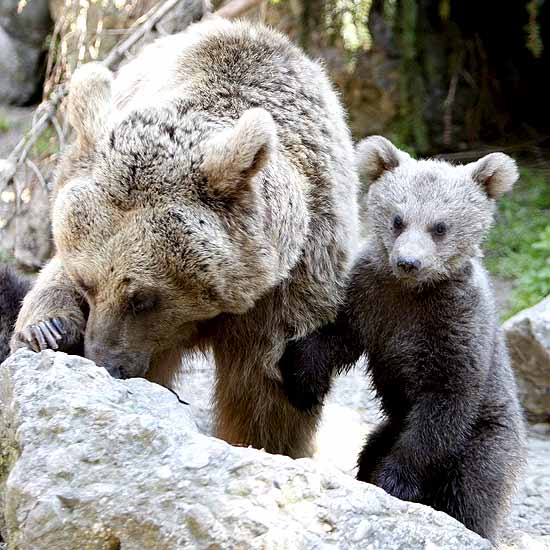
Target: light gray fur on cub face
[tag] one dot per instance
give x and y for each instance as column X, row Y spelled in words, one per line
column 429, row 216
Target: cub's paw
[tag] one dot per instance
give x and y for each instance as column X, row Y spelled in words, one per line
column 398, row 481
column 305, row 382
column 56, row 333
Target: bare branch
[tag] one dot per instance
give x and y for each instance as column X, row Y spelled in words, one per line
column 38, row 173
column 47, row 109
column 118, row 52
column 236, row 8
column 21, row 150
column 59, row 131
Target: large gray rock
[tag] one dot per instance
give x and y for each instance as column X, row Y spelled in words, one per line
column 23, row 30
column 90, row 462
column 33, row 241
column 20, row 70
column 28, row 21
column 352, row 411
column 528, row 337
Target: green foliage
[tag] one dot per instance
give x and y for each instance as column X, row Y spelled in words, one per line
column 6, row 258
column 411, row 126
column 396, row 139
column 46, row 144
column 534, row 283
column 4, row 125
column 345, row 22
column 519, row 245
column 534, row 39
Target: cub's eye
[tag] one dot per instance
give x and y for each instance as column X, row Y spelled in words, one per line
column 439, row 229
column 398, row 222
column 141, row 301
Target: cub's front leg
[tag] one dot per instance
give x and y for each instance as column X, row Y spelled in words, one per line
column 52, row 314
column 377, row 446
column 308, row 364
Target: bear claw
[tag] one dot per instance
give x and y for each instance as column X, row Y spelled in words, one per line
column 51, row 333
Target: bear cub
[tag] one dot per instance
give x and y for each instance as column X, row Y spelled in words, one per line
column 420, row 307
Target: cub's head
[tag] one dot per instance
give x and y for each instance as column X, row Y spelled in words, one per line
column 427, row 218
column 158, row 219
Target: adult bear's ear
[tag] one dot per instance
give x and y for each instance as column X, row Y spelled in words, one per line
column 376, row 155
column 90, row 102
column 496, row 173
column 234, row 155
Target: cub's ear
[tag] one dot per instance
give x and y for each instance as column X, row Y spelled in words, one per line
column 496, row 173
column 234, row 155
column 376, row 155
column 89, row 101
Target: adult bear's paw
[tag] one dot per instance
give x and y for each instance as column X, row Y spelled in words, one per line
column 57, row 333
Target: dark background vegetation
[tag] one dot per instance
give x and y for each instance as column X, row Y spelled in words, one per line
column 456, row 79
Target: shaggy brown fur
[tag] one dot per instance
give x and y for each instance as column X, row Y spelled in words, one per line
column 209, row 201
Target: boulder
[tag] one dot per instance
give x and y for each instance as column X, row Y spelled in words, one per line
column 352, row 410
column 28, row 21
column 23, row 30
column 20, row 70
column 33, row 239
column 90, row 462
column 528, row 338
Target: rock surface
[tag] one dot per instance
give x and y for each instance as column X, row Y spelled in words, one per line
column 528, row 337
column 33, row 238
column 25, row 232
column 530, row 515
column 89, row 462
column 19, row 67
column 23, row 30
column 352, row 411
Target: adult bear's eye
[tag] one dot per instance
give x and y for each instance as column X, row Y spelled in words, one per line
column 143, row 301
column 398, row 222
column 439, row 229
column 83, row 289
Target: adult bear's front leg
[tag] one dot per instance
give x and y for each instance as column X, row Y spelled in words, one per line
column 251, row 407
column 51, row 315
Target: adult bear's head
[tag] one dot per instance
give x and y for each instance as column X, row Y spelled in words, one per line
column 159, row 220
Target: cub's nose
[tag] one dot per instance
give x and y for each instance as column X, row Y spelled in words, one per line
column 407, row 264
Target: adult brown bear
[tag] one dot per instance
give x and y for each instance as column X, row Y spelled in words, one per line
column 209, row 201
